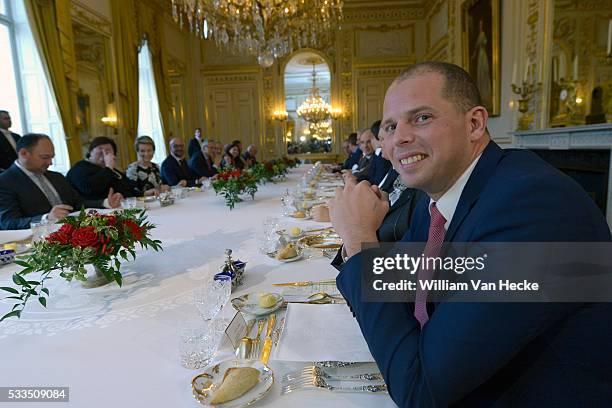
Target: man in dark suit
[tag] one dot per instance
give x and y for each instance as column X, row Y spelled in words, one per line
column 474, row 354
column 174, row 169
column 204, row 164
column 356, row 153
column 8, row 141
column 250, row 156
column 29, row 192
column 380, row 164
column 195, row 143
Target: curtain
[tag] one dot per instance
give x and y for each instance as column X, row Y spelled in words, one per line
column 161, row 80
column 53, row 38
column 126, row 40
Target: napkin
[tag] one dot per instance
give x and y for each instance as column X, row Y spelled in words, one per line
column 321, row 333
column 14, row 235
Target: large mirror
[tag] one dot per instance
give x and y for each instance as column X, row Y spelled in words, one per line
column 307, row 82
column 581, row 69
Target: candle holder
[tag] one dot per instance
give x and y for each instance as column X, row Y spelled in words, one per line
column 526, row 92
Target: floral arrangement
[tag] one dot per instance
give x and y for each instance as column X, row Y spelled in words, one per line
column 230, row 183
column 89, row 238
column 269, row 170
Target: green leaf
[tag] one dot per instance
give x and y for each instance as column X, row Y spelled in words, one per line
column 18, row 279
column 14, row 297
column 16, row 313
column 22, row 263
column 8, row 289
column 42, row 301
column 45, row 290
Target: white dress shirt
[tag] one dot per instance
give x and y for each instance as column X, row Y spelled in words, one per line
column 447, row 204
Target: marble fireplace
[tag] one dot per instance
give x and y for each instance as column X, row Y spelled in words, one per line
column 582, row 152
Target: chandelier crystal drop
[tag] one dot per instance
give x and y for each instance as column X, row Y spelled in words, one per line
column 266, row 29
column 314, row 109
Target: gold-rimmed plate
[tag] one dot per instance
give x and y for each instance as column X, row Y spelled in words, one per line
column 249, row 304
column 320, row 242
column 205, row 384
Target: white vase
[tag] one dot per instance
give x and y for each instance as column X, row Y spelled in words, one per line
column 95, row 278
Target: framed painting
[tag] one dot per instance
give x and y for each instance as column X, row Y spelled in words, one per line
column 481, row 49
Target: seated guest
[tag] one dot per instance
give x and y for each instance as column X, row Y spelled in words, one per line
column 473, row 354
column 355, row 153
column 232, row 158
column 8, row 141
column 402, row 202
column 174, row 169
column 380, row 165
column 238, row 143
column 205, row 163
column 195, row 143
column 31, row 193
column 250, row 156
column 144, row 172
column 94, row 176
column 361, row 171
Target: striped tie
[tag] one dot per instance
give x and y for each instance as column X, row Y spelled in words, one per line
column 432, row 249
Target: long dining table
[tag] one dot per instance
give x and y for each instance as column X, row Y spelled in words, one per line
column 118, row 346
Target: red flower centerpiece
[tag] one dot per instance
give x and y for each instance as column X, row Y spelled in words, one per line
column 232, row 182
column 89, row 238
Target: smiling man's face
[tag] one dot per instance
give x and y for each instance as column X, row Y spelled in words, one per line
column 426, row 137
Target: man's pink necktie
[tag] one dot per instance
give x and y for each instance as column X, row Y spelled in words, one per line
column 432, row 249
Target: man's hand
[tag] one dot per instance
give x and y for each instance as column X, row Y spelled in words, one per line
column 356, row 212
column 182, row 183
column 58, row 212
column 349, row 177
column 151, row 192
column 109, row 160
column 114, row 199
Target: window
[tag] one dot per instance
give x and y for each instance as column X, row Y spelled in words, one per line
column 27, row 95
column 149, row 122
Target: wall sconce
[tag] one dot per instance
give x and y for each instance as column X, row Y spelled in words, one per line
column 110, row 119
column 280, row 115
column 336, row 113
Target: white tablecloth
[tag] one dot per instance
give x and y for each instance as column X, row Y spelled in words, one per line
column 117, row 347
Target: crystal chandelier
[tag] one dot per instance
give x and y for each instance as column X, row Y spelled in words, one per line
column 266, row 29
column 314, row 109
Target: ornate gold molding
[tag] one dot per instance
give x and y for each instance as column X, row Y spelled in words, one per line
column 231, row 78
column 176, row 67
column 379, row 72
column 88, row 17
column 356, row 16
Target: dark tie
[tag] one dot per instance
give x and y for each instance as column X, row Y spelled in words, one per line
column 432, row 249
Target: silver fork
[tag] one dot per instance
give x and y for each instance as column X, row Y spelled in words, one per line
column 317, row 382
column 310, row 371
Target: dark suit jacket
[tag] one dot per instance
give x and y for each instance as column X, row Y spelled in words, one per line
column 388, row 184
column 247, row 156
column 172, row 172
column 364, row 168
column 94, row 182
column 397, row 220
column 7, row 153
column 352, row 160
column 22, row 202
column 202, row 166
column 194, row 147
column 379, row 167
column 497, row 354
